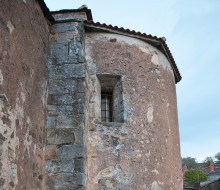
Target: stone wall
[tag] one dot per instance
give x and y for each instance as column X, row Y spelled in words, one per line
column 24, row 35
column 65, row 151
column 141, row 152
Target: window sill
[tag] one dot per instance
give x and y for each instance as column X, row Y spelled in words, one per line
column 111, row 124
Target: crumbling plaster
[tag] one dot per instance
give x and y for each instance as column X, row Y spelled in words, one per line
column 48, row 78
column 24, row 43
column 148, row 140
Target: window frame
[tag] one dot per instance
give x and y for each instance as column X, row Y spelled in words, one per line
column 113, row 83
column 107, row 105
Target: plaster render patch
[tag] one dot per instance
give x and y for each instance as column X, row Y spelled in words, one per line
column 150, row 111
column 148, row 154
column 97, row 142
column 155, row 171
column 113, row 173
column 23, row 96
column 144, row 50
column 155, row 59
column 11, row 141
column 13, row 173
column 44, row 94
column 10, row 27
column 155, row 186
column 117, row 148
column 1, row 78
column 91, row 67
column 127, row 110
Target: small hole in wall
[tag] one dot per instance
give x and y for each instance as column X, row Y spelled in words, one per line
column 113, row 40
column 11, row 184
column 40, row 177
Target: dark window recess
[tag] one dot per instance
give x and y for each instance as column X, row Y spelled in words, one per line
column 112, row 106
column 107, row 105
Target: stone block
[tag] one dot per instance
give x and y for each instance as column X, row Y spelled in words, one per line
column 65, row 37
column 70, row 121
column 50, row 152
column 60, row 99
column 71, row 151
column 67, row 52
column 2, row 139
column 65, row 60
column 67, row 110
column 60, row 110
column 65, row 121
column 79, row 179
column 120, row 117
column 79, row 98
column 66, row 71
column 78, row 108
column 63, row 27
column 81, row 85
column 51, row 122
column 66, row 180
column 79, row 164
column 4, row 103
column 79, row 138
column 76, row 49
column 54, row 166
column 59, row 51
column 63, row 86
column 60, row 136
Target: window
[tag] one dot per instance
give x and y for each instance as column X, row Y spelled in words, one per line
column 107, row 105
column 111, row 98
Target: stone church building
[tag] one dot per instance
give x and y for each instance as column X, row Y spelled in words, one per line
column 84, row 105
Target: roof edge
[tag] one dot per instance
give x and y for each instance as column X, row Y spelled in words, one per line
column 46, row 10
column 160, row 42
column 85, row 10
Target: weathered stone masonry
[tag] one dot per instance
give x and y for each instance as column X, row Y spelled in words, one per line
column 141, row 151
column 53, row 67
column 24, row 46
column 65, row 151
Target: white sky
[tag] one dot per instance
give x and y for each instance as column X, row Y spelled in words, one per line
column 192, row 30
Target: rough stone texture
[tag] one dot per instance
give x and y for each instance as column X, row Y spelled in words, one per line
column 70, row 15
column 139, row 150
column 65, row 150
column 143, row 151
column 24, row 37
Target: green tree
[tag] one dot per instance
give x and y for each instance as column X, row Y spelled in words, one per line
column 208, row 160
column 217, row 156
column 194, row 176
column 190, row 163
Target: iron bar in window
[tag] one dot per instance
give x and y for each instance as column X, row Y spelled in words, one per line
column 107, row 105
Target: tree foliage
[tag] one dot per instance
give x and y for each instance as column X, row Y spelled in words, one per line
column 190, row 163
column 194, row 176
column 217, row 156
column 208, row 160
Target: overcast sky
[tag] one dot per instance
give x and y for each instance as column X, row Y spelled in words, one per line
column 192, row 30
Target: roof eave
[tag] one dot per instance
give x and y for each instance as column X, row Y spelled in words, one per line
column 156, row 42
column 87, row 11
column 45, row 10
